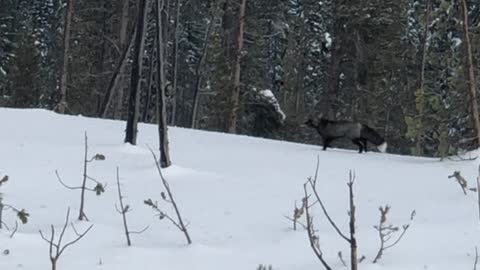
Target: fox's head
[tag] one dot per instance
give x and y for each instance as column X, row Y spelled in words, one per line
column 314, row 121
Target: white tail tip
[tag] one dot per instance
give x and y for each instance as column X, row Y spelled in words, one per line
column 382, row 147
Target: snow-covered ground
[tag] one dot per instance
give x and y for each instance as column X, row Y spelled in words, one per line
column 232, row 190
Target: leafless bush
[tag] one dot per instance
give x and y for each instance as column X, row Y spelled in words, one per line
column 387, row 231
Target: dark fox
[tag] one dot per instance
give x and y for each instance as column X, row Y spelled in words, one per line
column 359, row 133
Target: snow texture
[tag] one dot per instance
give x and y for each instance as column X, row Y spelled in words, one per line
column 233, row 191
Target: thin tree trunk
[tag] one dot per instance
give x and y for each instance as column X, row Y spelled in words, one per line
column 175, row 62
column 235, row 99
column 101, row 65
column 135, row 81
column 62, row 105
column 353, row 239
column 151, row 74
column 471, row 73
column 117, row 110
column 161, row 106
column 117, row 81
column 201, row 61
column 421, row 84
column 301, row 68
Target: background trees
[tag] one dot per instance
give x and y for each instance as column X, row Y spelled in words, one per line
column 402, row 67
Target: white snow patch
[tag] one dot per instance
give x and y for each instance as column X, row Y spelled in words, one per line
column 270, row 97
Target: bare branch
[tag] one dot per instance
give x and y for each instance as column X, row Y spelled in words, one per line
column 63, row 184
column 340, row 256
column 77, row 239
column 296, row 221
column 385, row 232
column 313, row 239
column 55, row 254
column 330, row 220
column 141, row 231
column 180, row 225
column 476, row 259
column 460, row 180
column 14, row 230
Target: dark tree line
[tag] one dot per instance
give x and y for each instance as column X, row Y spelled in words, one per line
column 407, row 68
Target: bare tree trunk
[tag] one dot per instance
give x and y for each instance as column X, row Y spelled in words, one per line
column 235, row 99
column 471, row 73
column 353, row 239
column 117, row 111
column 101, row 65
column 301, row 68
column 421, row 85
column 161, row 106
column 150, row 76
column 62, row 105
column 198, row 74
column 117, row 81
column 175, row 62
column 135, row 81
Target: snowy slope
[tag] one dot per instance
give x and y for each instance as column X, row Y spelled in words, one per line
column 232, row 190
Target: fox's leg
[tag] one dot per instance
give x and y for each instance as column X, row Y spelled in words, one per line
column 359, row 143
column 364, row 141
column 326, row 143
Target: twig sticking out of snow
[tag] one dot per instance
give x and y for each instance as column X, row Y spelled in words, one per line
column 460, row 180
column 170, row 199
column 123, row 210
column 56, row 249
column 386, row 232
column 98, row 189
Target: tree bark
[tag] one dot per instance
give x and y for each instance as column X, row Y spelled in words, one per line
column 62, row 105
column 101, row 60
column 117, row 82
column 471, row 73
column 135, row 81
column 117, row 111
column 175, row 62
column 421, row 84
column 235, row 99
column 198, row 74
column 161, row 106
column 150, row 76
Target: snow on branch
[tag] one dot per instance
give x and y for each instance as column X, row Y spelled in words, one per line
column 268, row 96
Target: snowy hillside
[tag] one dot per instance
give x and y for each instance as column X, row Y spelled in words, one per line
column 232, row 190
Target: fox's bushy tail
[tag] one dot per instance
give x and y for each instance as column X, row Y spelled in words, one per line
column 375, row 138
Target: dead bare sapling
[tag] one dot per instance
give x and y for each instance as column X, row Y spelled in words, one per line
column 123, row 210
column 169, row 199
column 386, row 232
column 98, row 187
column 56, row 247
